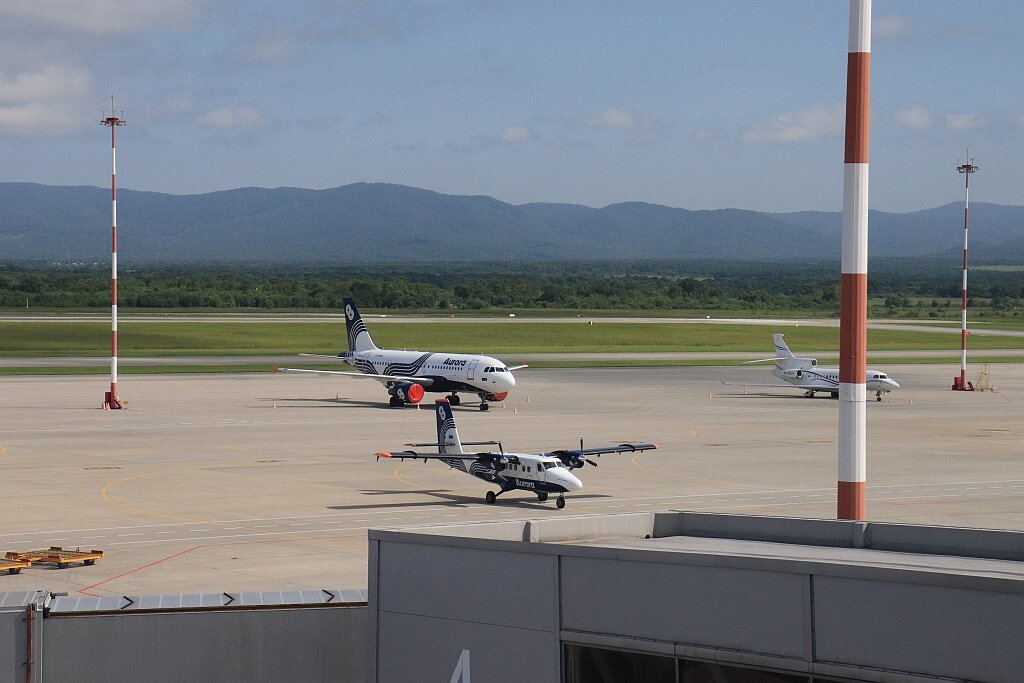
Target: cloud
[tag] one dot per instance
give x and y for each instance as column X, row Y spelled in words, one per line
column 917, row 118
column 509, row 136
column 515, row 134
column 47, row 102
column 964, row 121
column 101, row 16
column 245, row 116
column 889, row 27
column 617, row 118
column 798, row 126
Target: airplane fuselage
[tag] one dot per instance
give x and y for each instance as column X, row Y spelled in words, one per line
column 827, row 379
column 529, row 472
column 448, row 372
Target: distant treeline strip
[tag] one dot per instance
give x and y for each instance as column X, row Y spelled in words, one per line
column 625, row 286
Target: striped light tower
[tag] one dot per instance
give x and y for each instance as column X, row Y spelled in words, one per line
column 854, row 280
column 110, row 399
column 961, row 384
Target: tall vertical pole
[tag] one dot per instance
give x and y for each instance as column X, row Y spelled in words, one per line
column 853, row 315
column 961, row 385
column 110, row 400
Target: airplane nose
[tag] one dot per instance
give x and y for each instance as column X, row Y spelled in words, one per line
column 570, row 481
column 894, row 384
column 510, row 380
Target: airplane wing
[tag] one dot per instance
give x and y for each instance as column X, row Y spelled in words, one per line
column 422, row 381
column 517, row 367
column 819, row 386
column 576, row 458
column 765, row 360
column 489, row 458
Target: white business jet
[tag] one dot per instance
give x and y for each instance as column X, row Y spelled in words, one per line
column 804, row 373
column 541, row 473
column 408, row 374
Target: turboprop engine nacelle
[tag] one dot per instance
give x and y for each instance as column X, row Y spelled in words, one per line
column 409, row 392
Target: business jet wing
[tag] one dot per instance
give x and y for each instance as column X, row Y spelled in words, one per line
column 777, row 386
column 422, row 381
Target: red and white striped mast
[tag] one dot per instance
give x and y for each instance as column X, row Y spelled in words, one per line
column 110, row 400
column 853, row 312
column 961, row 383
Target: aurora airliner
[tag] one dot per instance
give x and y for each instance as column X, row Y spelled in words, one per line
column 407, row 375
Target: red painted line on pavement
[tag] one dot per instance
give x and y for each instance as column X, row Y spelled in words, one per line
column 84, row 591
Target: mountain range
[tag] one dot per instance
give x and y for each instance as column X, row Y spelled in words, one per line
column 379, row 222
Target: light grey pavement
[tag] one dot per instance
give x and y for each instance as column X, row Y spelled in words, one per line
column 264, row 482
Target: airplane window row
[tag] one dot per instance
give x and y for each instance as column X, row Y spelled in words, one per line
column 497, row 369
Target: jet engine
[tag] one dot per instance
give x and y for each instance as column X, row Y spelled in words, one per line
column 407, row 392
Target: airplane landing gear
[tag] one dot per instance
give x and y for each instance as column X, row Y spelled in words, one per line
column 491, row 498
column 560, row 503
column 454, row 399
column 878, row 395
column 484, row 407
column 396, row 402
column 808, row 394
column 542, row 496
column 835, row 394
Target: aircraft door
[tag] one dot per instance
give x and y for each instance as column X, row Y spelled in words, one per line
column 471, row 369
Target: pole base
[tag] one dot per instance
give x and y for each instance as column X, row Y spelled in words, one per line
column 960, row 385
column 111, row 402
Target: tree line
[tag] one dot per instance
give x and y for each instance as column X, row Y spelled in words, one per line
column 915, row 287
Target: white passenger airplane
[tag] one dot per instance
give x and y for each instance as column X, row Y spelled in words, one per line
column 541, row 473
column 408, row 374
column 804, row 373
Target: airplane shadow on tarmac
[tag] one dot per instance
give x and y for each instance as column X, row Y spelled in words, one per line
column 445, row 498
column 758, row 394
column 352, row 402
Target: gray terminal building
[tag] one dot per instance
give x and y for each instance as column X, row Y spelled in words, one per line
column 682, row 597
column 659, row 597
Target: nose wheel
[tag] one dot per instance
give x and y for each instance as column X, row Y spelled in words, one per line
column 560, row 502
column 490, row 498
column 484, row 407
column 454, row 399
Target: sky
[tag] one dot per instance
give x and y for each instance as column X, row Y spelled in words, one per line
column 692, row 104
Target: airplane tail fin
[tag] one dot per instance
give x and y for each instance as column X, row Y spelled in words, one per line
column 447, row 434
column 784, row 358
column 358, row 336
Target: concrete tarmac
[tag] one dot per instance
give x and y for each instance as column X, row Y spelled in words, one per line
column 264, row 482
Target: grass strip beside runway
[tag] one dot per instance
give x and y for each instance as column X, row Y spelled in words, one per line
column 18, row 339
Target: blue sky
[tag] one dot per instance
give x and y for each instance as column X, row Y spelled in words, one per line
column 691, row 104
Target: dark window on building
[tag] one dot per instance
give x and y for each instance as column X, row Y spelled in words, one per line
column 596, row 665
column 709, row 672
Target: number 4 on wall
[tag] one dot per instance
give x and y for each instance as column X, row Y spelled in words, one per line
column 461, row 673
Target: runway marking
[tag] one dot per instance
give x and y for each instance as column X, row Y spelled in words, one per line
column 2, row 450
column 400, row 478
column 85, row 591
column 638, row 406
column 105, row 495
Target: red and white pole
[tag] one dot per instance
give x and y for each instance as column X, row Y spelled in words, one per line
column 961, row 385
column 110, row 400
column 854, row 280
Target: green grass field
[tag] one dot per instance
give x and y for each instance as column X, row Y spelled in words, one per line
column 27, row 339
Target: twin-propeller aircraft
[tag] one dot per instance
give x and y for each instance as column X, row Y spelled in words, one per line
column 541, row 473
column 407, row 375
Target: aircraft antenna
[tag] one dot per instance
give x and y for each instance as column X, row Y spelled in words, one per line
column 110, row 399
column 853, row 310
column 960, row 383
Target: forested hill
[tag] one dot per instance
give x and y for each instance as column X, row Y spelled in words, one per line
column 380, row 222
